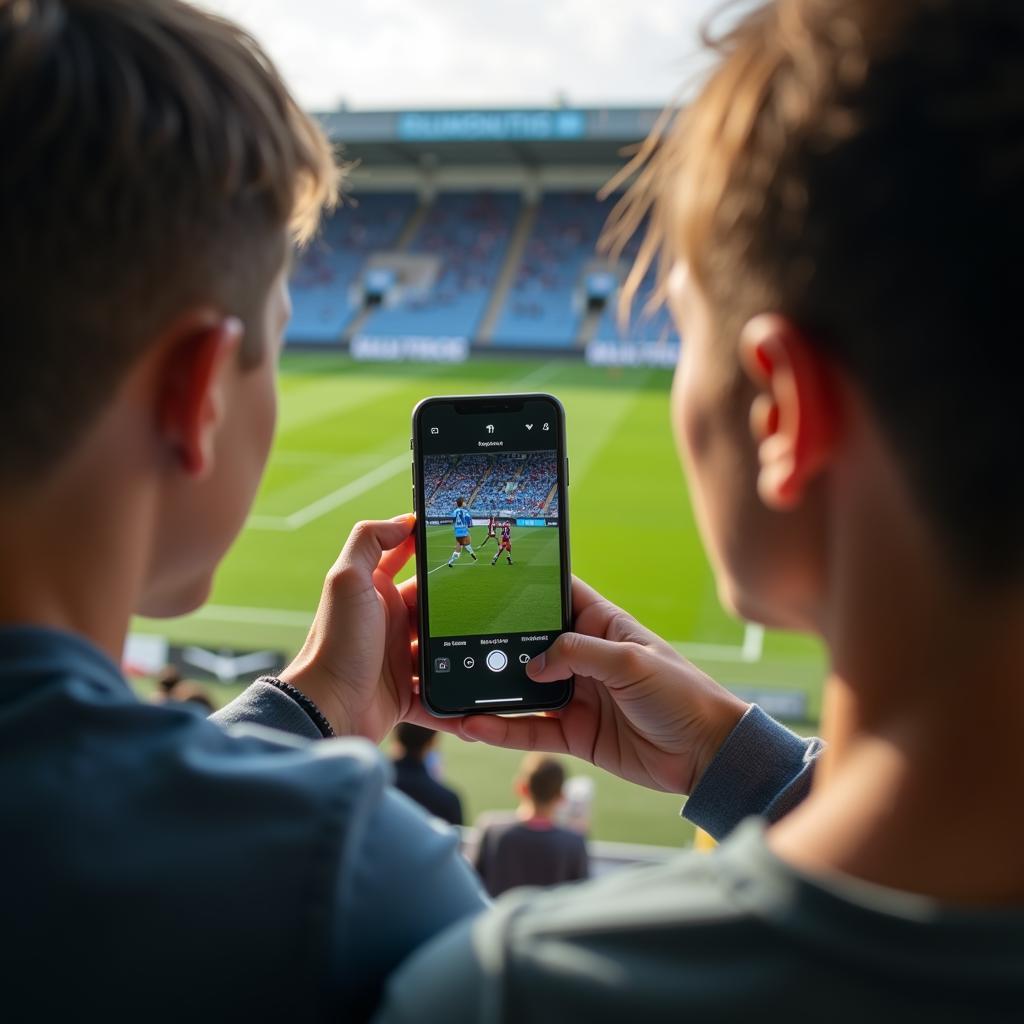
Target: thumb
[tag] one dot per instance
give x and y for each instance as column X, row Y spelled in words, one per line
column 577, row 654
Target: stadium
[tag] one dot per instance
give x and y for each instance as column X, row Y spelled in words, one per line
column 276, row 284
column 464, row 260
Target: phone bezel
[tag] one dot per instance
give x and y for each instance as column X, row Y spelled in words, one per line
column 485, row 404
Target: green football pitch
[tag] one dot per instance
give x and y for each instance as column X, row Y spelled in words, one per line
column 342, row 454
column 468, row 598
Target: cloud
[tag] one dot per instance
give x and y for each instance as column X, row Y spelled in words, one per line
column 456, row 53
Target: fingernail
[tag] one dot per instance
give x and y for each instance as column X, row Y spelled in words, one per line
column 536, row 664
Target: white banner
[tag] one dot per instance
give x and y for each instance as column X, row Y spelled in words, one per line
column 411, row 348
column 633, row 353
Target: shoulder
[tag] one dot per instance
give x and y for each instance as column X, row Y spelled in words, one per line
column 599, row 949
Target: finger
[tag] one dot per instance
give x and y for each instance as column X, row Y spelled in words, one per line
column 369, row 540
column 527, row 732
column 394, row 561
column 408, row 591
column 576, row 654
column 584, row 595
column 419, row 715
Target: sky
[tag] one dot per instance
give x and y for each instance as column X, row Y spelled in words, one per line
column 471, row 53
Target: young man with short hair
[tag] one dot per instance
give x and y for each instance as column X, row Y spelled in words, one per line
column 837, row 218
column 154, row 175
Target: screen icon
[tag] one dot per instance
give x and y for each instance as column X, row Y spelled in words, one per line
column 524, row 659
column 529, row 426
column 468, row 662
column 497, row 660
column 547, row 426
column 442, row 665
column 490, row 428
column 434, row 430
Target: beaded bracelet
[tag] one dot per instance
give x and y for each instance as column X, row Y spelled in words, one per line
column 318, row 717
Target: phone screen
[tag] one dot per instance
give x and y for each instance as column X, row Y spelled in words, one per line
column 490, row 476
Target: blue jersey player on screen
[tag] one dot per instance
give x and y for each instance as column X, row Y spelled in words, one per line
column 462, row 520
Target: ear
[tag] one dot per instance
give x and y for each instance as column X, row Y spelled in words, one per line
column 199, row 350
column 795, row 417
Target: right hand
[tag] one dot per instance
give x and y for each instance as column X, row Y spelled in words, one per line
column 640, row 710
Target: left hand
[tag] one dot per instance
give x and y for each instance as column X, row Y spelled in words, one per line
column 355, row 664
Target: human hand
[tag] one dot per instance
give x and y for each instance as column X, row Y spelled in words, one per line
column 355, row 663
column 640, row 710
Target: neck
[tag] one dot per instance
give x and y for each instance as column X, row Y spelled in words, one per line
column 923, row 715
column 70, row 549
column 529, row 810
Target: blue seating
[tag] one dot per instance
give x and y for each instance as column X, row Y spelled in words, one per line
column 539, row 308
column 322, row 304
column 482, row 480
column 469, row 232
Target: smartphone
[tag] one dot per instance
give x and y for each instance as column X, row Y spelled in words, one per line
column 490, row 481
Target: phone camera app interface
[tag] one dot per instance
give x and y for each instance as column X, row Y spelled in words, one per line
column 493, row 523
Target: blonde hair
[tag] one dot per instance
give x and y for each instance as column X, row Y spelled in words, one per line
column 856, row 165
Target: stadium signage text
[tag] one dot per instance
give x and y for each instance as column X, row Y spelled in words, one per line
column 411, row 348
column 494, row 125
column 633, row 353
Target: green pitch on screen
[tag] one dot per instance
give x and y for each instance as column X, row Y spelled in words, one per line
column 477, row 597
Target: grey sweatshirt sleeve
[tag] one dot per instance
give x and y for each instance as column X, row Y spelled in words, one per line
column 762, row 768
column 266, row 705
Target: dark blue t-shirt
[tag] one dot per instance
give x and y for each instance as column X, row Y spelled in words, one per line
column 157, row 865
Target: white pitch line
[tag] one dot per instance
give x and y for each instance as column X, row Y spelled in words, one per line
column 254, row 616
column 753, row 642
column 337, row 498
column 287, row 617
column 344, row 494
column 538, row 376
column 360, row 485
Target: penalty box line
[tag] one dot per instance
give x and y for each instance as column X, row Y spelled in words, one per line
column 750, row 651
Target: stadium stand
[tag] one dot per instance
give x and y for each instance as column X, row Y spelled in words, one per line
column 474, row 230
column 468, row 234
column 325, row 273
column 483, row 482
column 542, row 308
column 641, row 325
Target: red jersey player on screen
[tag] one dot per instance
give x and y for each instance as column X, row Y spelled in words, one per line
column 506, row 543
column 492, row 524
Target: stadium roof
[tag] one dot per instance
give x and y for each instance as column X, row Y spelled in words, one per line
column 529, row 137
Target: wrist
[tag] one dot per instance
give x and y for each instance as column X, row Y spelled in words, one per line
column 721, row 716
column 318, row 688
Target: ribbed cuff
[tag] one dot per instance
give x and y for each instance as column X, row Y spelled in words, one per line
column 762, row 768
column 263, row 704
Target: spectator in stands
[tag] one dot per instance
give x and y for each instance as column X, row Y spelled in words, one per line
column 156, row 174
column 534, row 849
column 171, row 687
column 414, row 744
column 838, row 217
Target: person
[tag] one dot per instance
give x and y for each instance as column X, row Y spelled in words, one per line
column 414, row 745
column 462, row 520
column 172, row 687
column 147, row 209
column 532, row 849
column 506, row 543
column 836, row 218
column 492, row 523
